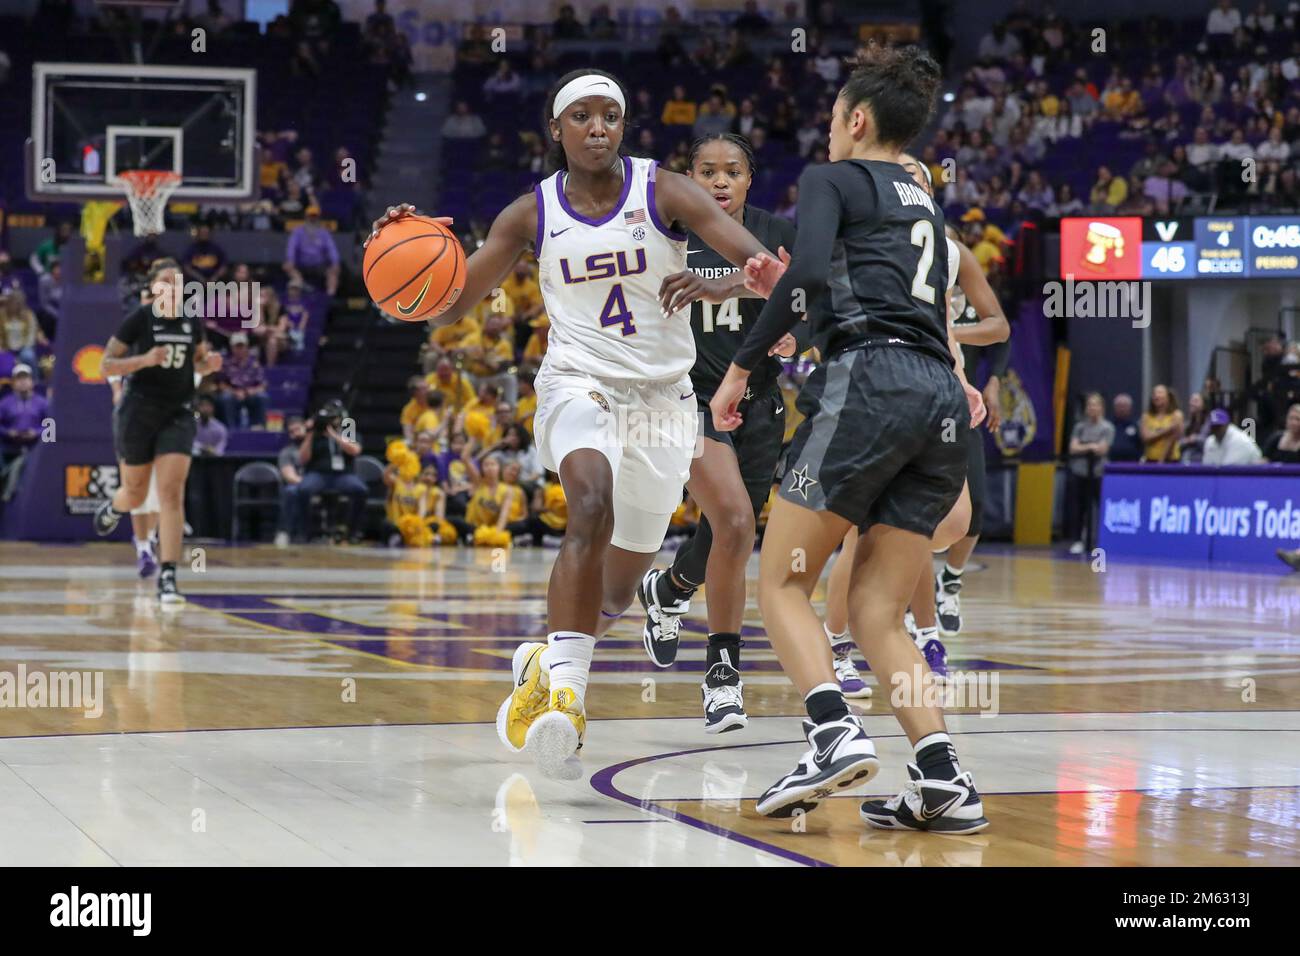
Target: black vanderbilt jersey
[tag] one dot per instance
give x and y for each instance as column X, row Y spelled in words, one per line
column 719, row 329
column 172, row 382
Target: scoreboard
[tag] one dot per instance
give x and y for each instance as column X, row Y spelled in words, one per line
column 1202, row 247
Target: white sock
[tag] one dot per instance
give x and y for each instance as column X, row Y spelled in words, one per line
column 924, row 634
column 834, row 638
column 952, row 572
column 568, row 659
column 142, row 545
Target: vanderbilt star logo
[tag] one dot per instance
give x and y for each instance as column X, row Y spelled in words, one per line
column 802, row 482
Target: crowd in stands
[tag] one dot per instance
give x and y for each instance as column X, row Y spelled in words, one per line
column 1205, row 434
column 1188, row 111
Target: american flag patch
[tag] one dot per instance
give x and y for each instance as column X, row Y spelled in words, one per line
column 634, row 217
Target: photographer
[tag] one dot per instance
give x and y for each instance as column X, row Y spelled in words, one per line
column 328, row 458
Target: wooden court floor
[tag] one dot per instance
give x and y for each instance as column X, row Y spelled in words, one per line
column 335, row 706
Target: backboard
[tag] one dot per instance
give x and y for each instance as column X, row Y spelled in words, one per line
column 91, row 121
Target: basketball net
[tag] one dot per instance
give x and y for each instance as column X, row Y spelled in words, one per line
column 147, row 190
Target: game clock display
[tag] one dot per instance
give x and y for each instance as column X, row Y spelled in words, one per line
column 1201, row 247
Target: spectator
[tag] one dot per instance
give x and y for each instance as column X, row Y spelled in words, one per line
column 535, row 349
column 1284, row 447
column 215, row 21
column 1164, row 189
column 1227, row 444
column 678, row 110
column 204, row 260
column 49, row 297
column 304, row 173
column 1224, row 20
column 516, row 447
column 417, row 509
column 454, row 473
column 1261, row 22
column 526, row 407
column 50, row 248
column 1274, row 148
column 1192, row 444
column 328, row 458
column 1036, row 194
column 9, row 280
column 788, row 207
column 432, row 421
column 827, row 65
column 567, row 26
column 1127, row 444
column 379, row 23
column 209, row 435
column 243, row 386
column 293, row 205
column 23, row 416
column 1089, row 445
column 751, row 22
column 1108, row 192
column 417, row 387
column 463, row 123
column 476, row 48
column 504, row 82
column 290, row 467
column 1161, row 426
column 998, row 44
column 273, row 330
column 19, row 331
column 602, row 26
column 493, row 505
column 297, row 315
column 524, row 292
column 715, row 115
column 311, row 256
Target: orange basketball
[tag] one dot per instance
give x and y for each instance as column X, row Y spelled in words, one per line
column 414, row 269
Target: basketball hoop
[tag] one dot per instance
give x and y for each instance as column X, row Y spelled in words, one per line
column 147, row 190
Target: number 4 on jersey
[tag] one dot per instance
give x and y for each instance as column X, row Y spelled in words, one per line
column 616, row 311
column 727, row 316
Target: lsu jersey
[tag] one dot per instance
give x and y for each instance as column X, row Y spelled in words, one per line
column 600, row 282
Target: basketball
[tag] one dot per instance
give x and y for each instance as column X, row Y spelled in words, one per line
column 414, row 269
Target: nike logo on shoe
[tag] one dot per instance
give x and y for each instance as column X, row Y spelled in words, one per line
column 527, row 664
column 926, row 814
column 823, row 753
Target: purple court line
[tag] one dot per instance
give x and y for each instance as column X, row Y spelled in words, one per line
column 602, row 781
column 485, row 723
column 642, row 820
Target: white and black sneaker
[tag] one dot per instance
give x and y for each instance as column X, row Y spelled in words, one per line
column 935, row 806
column 662, row 620
column 947, row 599
column 839, row 755
column 724, row 701
column 105, row 518
column 168, row 593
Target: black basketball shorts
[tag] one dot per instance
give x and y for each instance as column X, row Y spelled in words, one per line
column 757, row 442
column 976, row 478
column 143, row 429
column 884, row 440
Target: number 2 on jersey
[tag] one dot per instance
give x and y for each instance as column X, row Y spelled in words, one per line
column 616, row 311
column 923, row 236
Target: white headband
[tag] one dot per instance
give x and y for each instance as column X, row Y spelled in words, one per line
column 587, row 85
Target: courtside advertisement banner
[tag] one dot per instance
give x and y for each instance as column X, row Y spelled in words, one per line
column 1190, row 513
